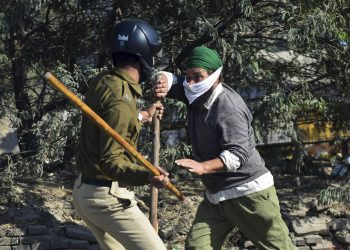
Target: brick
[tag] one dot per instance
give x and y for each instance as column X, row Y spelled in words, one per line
column 79, row 234
column 299, row 241
column 325, row 246
column 312, row 239
column 36, row 230
column 320, row 247
column 5, row 248
column 79, row 244
column 304, row 248
column 9, row 241
column 21, row 247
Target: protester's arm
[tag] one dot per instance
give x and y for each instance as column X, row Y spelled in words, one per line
column 170, row 85
column 207, row 167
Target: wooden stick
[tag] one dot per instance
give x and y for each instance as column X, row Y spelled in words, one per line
column 106, row 128
column 153, row 216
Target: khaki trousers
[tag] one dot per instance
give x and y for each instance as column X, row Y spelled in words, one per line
column 114, row 217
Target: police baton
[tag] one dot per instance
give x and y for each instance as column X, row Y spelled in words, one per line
column 106, row 128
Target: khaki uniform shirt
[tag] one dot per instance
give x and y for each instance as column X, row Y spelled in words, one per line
column 112, row 95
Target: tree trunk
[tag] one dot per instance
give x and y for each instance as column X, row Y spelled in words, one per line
column 27, row 140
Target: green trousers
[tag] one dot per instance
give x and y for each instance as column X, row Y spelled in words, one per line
column 256, row 215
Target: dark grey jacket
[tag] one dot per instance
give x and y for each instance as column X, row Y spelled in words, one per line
column 225, row 126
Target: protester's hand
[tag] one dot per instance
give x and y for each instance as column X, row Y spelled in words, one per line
column 162, row 85
column 160, row 181
column 192, row 166
column 148, row 114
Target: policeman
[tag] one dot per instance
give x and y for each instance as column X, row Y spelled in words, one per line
column 99, row 196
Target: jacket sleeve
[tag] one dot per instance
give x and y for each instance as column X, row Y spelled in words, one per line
column 114, row 162
column 234, row 131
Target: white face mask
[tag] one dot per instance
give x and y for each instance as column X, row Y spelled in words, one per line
column 195, row 90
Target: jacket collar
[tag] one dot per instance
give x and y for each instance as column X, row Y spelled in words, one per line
column 213, row 96
column 132, row 83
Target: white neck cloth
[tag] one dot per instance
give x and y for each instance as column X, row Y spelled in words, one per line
column 195, row 90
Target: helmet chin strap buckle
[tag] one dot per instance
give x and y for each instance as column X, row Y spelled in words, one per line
column 148, row 72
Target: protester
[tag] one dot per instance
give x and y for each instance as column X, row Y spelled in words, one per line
column 239, row 188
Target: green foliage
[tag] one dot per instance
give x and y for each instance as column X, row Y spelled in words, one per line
column 335, row 194
column 8, row 192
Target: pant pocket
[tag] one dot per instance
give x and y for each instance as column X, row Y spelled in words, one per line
column 124, row 196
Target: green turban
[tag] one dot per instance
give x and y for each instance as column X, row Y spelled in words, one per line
column 204, row 58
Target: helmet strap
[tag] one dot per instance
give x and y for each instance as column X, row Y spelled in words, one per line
column 147, row 71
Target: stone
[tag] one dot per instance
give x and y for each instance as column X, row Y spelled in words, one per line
column 248, row 244
column 343, row 236
column 312, row 239
column 314, row 206
column 167, row 233
column 340, row 224
column 80, row 234
column 309, row 225
column 304, row 248
column 285, row 207
column 36, row 230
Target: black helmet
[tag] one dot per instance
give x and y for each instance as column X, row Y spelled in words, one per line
column 136, row 37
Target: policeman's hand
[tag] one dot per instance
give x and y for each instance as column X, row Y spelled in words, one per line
column 192, row 166
column 156, row 107
column 161, row 86
column 148, row 114
column 160, row 181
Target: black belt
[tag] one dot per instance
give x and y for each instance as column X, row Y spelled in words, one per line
column 95, row 182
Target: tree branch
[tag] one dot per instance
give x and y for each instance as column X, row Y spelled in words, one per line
column 220, row 26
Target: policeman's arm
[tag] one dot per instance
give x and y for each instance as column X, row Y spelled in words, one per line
column 115, row 162
column 147, row 115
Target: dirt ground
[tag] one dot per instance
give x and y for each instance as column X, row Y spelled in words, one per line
column 48, row 201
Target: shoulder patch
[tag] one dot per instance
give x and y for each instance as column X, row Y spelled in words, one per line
column 115, row 84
